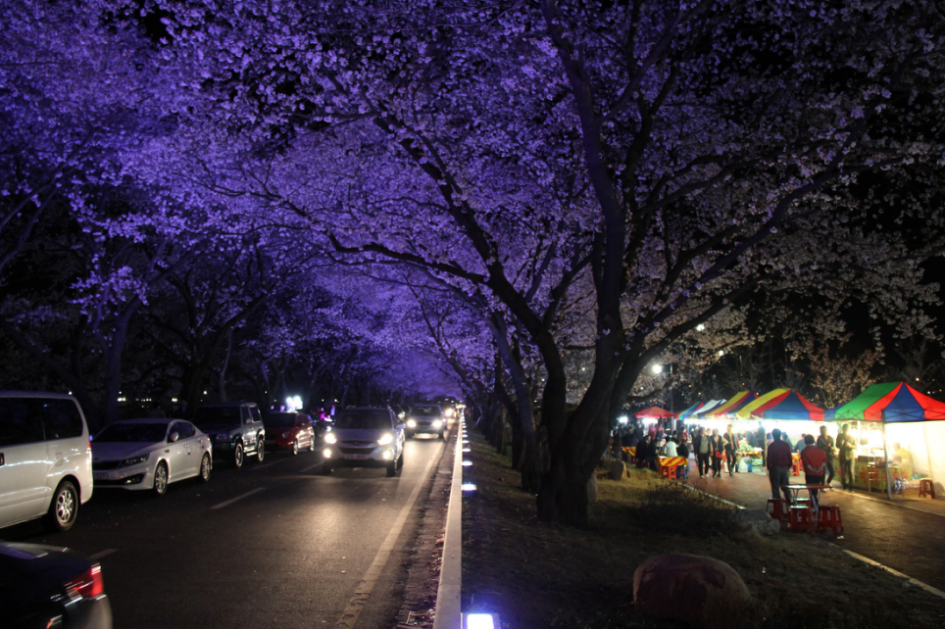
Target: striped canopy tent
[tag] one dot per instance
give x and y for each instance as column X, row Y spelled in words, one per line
column 907, row 417
column 654, row 412
column 701, row 416
column 683, row 416
column 708, row 406
column 785, row 404
column 728, row 409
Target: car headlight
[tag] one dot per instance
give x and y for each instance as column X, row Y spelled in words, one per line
column 385, row 439
column 330, row 438
column 437, row 423
column 134, row 460
column 450, row 412
column 411, row 423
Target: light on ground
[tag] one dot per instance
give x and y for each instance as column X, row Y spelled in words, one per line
column 467, row 450
column 467, row 463
column 469, row 487
column 481, row 621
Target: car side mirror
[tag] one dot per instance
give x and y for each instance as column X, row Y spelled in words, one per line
column 173, row 438
column 401, row 426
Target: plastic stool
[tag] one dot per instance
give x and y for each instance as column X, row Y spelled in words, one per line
column 829, row 518
column 926, row 488
column 777, row 509
column 683, row 471
column 799, row 519
column 668, row 471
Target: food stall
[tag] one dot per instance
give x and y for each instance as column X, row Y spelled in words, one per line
column 890, row 414
column 786, row 410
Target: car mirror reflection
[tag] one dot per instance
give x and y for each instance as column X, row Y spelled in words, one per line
column 173, row 438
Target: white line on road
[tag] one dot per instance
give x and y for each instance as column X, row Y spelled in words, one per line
column 310, row 467
column 237, row 499
column 104, row 553
column 353, row 610
column 925, row 586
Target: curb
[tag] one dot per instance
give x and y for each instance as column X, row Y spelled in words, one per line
column 448, row 614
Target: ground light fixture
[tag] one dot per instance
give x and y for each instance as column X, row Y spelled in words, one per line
column 467, row 463
column 481, row 620
column 469, row 486
column 467, row 450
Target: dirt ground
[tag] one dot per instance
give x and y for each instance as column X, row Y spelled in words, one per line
column 537, row 575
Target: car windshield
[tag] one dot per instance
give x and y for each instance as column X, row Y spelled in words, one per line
column 220, row 417
column 364, row 420
column 127, row 433
column 279, row 420
column 425, row 410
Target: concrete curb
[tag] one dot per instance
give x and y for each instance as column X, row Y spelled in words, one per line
column 448, row 614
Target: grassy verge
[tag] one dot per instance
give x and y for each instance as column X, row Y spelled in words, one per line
column 537, row 575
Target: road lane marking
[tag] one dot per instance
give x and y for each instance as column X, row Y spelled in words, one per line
column 237, row 499
column 310, row 467
column 104, row 553
column 925, row 586
column 353, row 610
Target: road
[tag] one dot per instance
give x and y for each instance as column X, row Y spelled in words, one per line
column 270, row 545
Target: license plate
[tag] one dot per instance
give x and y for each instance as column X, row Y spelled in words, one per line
column 358, row 457
column 99, row 475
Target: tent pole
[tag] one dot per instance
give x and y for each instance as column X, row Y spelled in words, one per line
column 886, row 456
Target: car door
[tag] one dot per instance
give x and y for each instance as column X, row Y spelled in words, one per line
column 188, row 436
column 257, row 423
column 176, row 453
column 23, row 460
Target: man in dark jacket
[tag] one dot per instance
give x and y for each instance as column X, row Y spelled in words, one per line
column 779, row 466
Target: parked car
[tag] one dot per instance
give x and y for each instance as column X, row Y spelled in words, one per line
column 427, row 419
column 365, row 437
column 149, row 454
column 236, row 429
column 45, row 459
column 289, row 431
column 46, row 586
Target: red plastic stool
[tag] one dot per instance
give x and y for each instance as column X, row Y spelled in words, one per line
column 668, row 471
column 828, row 517
column 777, row 509
column 926, row 488
column 799, row 519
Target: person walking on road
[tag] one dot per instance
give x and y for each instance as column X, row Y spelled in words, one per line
column 730, row 441
column 762, row 442
column 846, row 444
column 825, row 442
column 779, row 466
column 815, row 465
column 718, row 453
column 703, row 450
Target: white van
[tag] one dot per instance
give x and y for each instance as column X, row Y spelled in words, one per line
column 45, row 458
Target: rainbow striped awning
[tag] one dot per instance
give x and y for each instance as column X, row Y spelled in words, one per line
column 728, row 409
column 782, row 404
column 890, row 402
column 689, row 411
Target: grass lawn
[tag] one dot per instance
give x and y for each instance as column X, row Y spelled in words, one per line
column 538, row 576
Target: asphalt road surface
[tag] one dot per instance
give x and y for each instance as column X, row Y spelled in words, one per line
column 269, row 545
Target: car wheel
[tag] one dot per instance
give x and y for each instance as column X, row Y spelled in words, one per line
column 326, row 469
column 160, row 479
column 442, row 434
column 64, row 507
column 392, row 468
column 295, row 447
column 205, row 467
column 260, row 450
column 238, row 456
column 400, row 461
column 311, row 446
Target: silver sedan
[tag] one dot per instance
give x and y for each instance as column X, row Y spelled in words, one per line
column 149, row 454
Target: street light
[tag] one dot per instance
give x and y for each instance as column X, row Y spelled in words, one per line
column 657, row 368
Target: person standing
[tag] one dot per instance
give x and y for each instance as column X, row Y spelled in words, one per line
column 778, row 461
column 730, row 441
column 670, row 449
column 846, row 444
column 683, row 450
column 702, row 449
column 825, row 442
column 718, row 453
column 761, row 441
column 815, row 465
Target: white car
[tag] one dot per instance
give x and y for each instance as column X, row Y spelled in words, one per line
column 149, row 454
column 364, row 437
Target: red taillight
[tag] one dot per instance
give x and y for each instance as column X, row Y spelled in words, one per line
column 87, row 584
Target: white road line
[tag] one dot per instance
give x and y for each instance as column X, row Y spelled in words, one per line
column 237, row 499
column 353, row 610
column 893, row 503
column 104, row 553
column 925, row 586
column 310, row 467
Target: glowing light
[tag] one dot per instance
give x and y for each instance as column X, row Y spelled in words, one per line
column 293, row 403
column 469, row 487
column 480, row 621
column 466, row 450
column 700, row 327
column 326, row 453
column 721, row 352
column 623, row 419
column 467, row 463
column 657, row 369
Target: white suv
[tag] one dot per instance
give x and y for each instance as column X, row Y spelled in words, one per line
column 45, row 458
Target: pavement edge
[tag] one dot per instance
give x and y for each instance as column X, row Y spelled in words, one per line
column 448, row 613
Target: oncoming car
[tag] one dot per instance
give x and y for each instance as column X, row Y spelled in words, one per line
column 149, row 454
column 364, row 437
column 426, row 418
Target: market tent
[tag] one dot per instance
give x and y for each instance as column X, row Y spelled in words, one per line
column 654, row 412
column 708, row 406
column 781, row 404
column 728, row 409
column 683, row 416
column 908, row 417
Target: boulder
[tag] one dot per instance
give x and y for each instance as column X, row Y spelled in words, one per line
column 701, row 591
column 616, row 470
column 756, row 520
column 592, row 489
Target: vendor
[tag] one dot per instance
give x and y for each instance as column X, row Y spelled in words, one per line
column 901, row 455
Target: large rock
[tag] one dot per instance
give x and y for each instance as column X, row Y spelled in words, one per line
column 756, row 520
column 701, row 591
column 616, row 471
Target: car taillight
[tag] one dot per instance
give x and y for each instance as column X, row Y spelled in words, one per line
column 87, row 584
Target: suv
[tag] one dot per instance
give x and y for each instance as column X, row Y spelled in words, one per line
column 364, row 437
column 426, row 418
column 235, row 428
column 45, row 459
